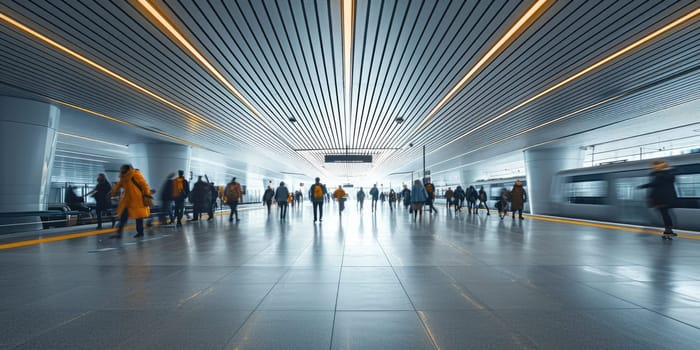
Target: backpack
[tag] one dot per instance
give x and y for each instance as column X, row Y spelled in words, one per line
column 318, row 191
column 178, row 187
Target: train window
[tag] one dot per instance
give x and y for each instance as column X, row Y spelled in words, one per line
column 587, row 192
column 688, row 185
column 626, row 188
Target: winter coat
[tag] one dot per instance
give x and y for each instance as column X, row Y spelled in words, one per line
column 374, row 192
column 268, row 195
column 392, row 196
column 449, row 194
column 339, row 194
column 419, row 194
column 482, row 196
column 102, row 194
column 518, row 197
column 132, row 197
column 200, row 195
column 406, row 194
column 233, row 192
column 166, row 191
column 472, row 195
column 361, row 195
column 662, row 192
column 282, row 194
column 459, row 194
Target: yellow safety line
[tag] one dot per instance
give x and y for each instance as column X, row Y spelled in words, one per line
column 31, row 242
column 609, row 226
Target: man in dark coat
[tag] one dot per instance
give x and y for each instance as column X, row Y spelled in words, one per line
column 200, row 198
column 166, row 200
column 662, row 192
column 518, row 197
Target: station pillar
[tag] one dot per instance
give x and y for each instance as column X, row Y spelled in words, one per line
column 28, row 134
column 541, row 166
column 157, row 160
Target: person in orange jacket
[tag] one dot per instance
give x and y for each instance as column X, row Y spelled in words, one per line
column 132, row 205
column 340, row 195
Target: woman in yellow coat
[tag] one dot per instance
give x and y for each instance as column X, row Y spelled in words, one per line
column 131, row 205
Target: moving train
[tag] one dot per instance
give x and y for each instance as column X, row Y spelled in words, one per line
column 609, row 193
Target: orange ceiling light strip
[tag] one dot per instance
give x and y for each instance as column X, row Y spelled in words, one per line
column 527, row 18
column 170, row 28
column 691, row 15
column 105, row 70
column 348, row 21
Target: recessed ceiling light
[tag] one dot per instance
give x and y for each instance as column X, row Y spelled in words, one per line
column 398, row 120
column 292, row 119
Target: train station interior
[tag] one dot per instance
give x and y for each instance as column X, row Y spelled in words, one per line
column 578, row 119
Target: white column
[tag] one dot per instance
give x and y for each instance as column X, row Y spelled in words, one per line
column 541, row 165
column 157, row 160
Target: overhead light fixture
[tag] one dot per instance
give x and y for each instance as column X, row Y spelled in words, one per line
column 91, row 139
column 520, row 25
column 399, row 120
column 348, row 20
column 292, row 119
column 583, row 72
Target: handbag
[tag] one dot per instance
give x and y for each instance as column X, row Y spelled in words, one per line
column 145, row 197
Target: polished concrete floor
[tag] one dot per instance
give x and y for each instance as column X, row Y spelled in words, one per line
column 365, row 281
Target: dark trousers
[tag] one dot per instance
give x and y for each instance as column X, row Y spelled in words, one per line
column 179, row 209
column 666, row 216
column 488, row 211
column 374, row 204
column 430, row 206
column 166, row 212
column 234, row 210
column 362, row 202
column 99, row 210
column 124, row 218
column 268, row 203
column 391, row 205
column 318, row 206
column 212, row 207
column 283, row 209
column 520, row 213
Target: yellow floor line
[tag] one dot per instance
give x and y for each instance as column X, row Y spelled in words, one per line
column 36, row 241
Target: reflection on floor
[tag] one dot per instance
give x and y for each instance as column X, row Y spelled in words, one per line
column 363, row 281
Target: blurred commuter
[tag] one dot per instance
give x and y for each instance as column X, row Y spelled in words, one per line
column 502, row 203
column 267, row 198
column 374, row 192
column 234, row 194
column 200, row 197
column 472, row 196
column 166, row 201
column 133, row 204
column 418, row 198
column 392, row 199
column 282, row 198
column 449, row 194
column 103, row 197
column 459, row 198
column 430, row 189
column 662, row 193
column 318, row 194
column 74, row 201
column 299, row 197
column 361, row 198
column 214, row 195
column 518, row 197
column 181, row 191
column 382, row 198
column 406, row 196
column 483, row 198
column 339, row 196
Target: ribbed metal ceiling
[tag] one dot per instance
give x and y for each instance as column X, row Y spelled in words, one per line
column 286, row 59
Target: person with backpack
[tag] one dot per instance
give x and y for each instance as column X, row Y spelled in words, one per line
column 361, row 198
column 406, row 195
column 282, row 197
column 472, row 196
column 102, row 195
column 234, row 194
column 459, row 198
column 180, row 192
column 392, row 199
column 339, row 196
column 317, row 194
column 483, row 200
column 133, row 204
column 448, row 197
column 267, row 198
column 518, row 197
column 430, row 189
column 374, row 192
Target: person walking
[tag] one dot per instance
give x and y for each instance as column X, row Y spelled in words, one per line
column 406, row 195
column 518, row 197
column 180, row 192
column 449, row 194
column 166, row 201
column 339, row 196
column 132, row 205
column 282, row 198
column 472, row 196
column 459, row 198
column 418, row 198
column 200, row 198
column 502, row 203
column 392, row 199
column 662, row 193
column 234, row 194
column 103, row 199
column 267, row 198
column 317, row 193
column 374, row 192
column 213, row 196
column 361, row 198
column 430, row 189
column 483, row 200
